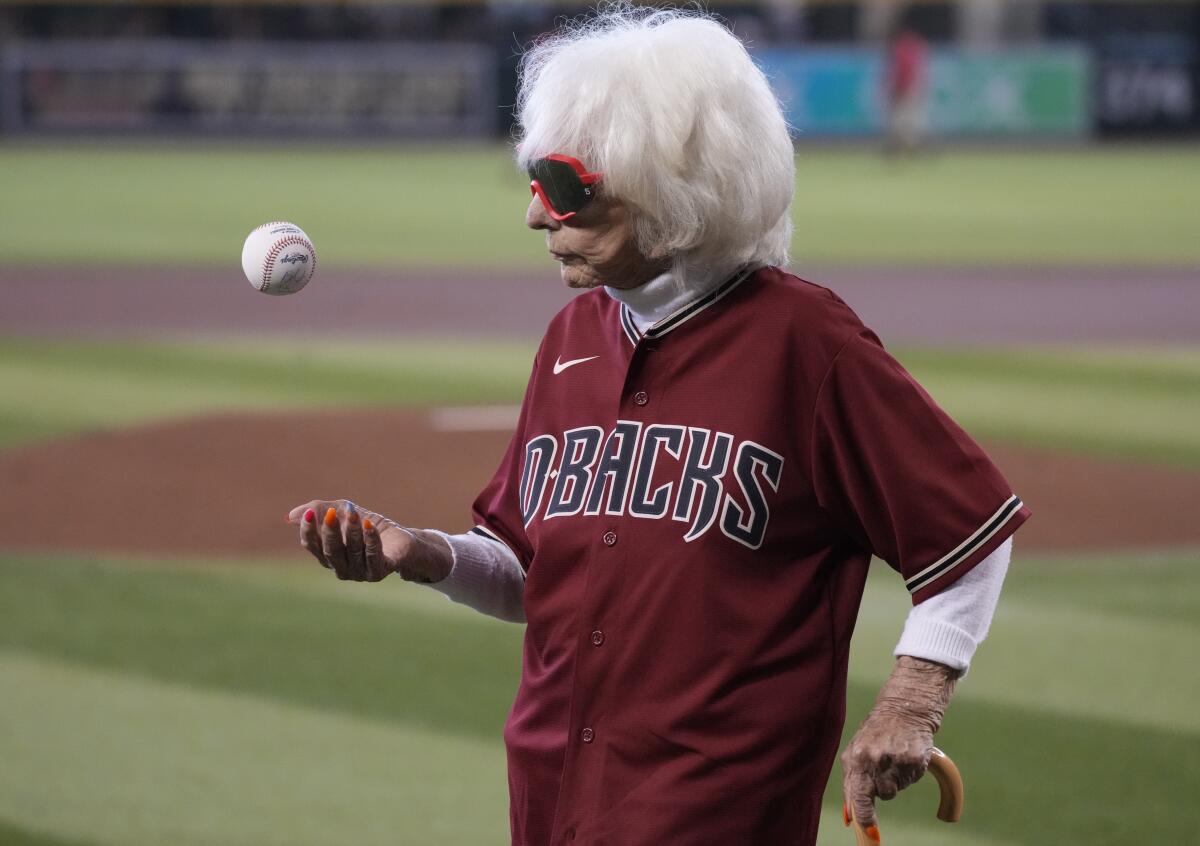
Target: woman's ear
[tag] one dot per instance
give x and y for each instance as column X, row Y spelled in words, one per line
column 651, row 244
column 660, row 253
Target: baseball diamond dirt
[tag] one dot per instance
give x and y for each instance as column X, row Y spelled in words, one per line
column 179, row 472
column 223, row 484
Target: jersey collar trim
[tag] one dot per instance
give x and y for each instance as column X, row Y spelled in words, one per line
column 629, row 327
column 684, row 314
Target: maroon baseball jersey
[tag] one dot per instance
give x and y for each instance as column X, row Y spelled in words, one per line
column 695, row 508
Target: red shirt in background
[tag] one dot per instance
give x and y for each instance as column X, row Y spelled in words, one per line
column 906, row 66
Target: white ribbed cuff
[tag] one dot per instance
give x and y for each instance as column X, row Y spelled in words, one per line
column 936, row 640
column 485, row 575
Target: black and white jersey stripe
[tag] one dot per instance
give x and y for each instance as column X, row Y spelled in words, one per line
column 967, row 548
column 485, row 532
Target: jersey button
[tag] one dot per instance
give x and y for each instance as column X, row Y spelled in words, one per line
column 641, row 398
column 587, row 735
column 597, row 637
column 610, row 538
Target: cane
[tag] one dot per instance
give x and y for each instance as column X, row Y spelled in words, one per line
column 950, row 806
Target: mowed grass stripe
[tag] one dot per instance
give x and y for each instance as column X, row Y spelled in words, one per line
column 1142, row 371
column 1106, row 400
column 1064, row 625
column 285, row 371
column 1038, row 778
column 151, row 763
column 1125, row 606
column 1100, row 400
column 178, row 626
column 299, row 636
column 57, row 398
column 14, row 835
column 464, row 206
column 53, row 388
column 1161, row 585
column 348, row 659
column 461, row 206
column 1110, row 421
column 118, row 760
column 994, row 206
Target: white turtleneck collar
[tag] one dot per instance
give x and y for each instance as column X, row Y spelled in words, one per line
column 662, row 296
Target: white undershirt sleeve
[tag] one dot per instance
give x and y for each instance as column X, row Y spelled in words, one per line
column 948, row 627
column 486, row 576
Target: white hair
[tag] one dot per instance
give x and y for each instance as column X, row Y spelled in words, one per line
column 670, row 107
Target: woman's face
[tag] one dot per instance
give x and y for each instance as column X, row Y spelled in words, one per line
column 596, row 246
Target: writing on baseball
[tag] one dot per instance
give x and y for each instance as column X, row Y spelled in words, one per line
column 279, row 258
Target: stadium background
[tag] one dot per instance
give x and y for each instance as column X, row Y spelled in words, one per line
column 172, row 669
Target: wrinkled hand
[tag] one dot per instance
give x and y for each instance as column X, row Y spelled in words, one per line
column 364, row 546
column 891, row 749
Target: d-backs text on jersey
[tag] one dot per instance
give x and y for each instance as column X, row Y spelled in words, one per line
column 591, row 472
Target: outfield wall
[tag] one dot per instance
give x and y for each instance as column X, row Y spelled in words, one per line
column 410, row 90
column 284, row 88
column 1027, row 92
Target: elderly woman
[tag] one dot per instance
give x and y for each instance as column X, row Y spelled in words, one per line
column 709, row 453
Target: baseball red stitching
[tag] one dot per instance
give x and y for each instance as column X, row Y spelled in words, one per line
column 277, row 248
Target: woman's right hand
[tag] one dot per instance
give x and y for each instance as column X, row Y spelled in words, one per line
column 363, row 546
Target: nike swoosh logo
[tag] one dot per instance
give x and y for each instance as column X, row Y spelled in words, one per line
column 560, row 366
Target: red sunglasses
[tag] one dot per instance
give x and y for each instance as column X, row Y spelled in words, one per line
column 563, row 185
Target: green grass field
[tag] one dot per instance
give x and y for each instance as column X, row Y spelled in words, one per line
column 420, row 205
column 261, row 702
column 1138, row 402
column 53, row 387
column 142, row 695
column 236, row 702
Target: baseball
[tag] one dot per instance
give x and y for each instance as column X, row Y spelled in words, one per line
column 278, row 258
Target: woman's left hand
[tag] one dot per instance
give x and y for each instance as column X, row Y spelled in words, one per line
column 891, row 749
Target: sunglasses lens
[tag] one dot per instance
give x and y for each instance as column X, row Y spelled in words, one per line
column 561, row 185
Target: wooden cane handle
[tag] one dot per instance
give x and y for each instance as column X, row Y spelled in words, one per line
column 950, row 784
column 950, row 805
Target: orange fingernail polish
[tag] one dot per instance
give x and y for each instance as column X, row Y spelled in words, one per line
column 310, row 516
column 331, row 517
column 873, row 833
column 352, row 517
column 368, row 525
column 845, row 813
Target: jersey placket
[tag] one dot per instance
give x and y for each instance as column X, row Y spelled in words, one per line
column 580, row 789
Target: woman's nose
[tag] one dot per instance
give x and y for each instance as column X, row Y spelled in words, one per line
column 536, row 216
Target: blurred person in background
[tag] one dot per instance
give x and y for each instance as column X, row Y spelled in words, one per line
column 709, row 452
column 904, row 88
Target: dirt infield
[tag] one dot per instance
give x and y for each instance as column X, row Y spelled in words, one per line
column 222, row 485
